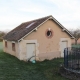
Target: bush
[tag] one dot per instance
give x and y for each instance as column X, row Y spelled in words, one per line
column 1, row 39
column 1, row 35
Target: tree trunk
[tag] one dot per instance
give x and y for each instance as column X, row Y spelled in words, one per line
column 75, row 41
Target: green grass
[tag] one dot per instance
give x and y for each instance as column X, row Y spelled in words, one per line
column 1, row 45
column 13, row 69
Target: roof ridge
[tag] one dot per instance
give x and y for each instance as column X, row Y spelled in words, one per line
column 30, row 21
column 37, row 19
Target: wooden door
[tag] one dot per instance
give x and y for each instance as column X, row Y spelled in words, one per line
column 31, row 51
column 64, row 44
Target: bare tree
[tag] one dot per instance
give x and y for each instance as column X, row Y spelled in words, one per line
column 76, row 34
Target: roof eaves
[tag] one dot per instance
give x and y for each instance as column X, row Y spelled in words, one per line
column 62, row 27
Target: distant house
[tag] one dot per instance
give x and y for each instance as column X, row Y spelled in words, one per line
column 43, row 38
column 78, row 41
column 73, row 41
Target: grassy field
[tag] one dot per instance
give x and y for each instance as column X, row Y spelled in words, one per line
column 13, row 69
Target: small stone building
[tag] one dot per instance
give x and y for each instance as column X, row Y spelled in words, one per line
column 43, row 38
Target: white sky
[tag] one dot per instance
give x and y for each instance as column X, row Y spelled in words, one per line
column 15, row 12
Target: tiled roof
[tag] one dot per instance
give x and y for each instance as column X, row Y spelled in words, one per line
column 23, row 29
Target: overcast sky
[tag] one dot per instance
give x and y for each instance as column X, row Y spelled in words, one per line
column 15, row 12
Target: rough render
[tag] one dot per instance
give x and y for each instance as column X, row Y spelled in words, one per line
column 9, row 48
column 48, row 48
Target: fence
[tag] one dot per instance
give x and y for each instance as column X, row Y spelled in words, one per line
column 72, row 58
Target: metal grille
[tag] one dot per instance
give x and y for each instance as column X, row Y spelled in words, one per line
column 72, row 58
